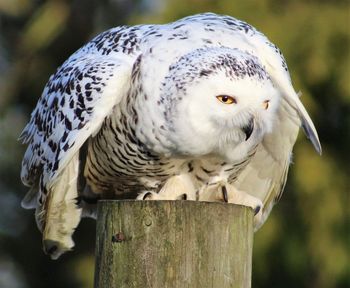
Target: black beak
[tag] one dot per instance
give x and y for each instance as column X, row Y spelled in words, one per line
column 248, row 129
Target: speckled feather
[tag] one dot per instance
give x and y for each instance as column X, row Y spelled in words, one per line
column 120, row 93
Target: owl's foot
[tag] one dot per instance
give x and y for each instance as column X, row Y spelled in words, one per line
column 178, row 187
column 147, row 195
column 224, row 192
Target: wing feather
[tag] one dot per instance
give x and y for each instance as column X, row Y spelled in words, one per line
column 74, row 103
column 276, row 66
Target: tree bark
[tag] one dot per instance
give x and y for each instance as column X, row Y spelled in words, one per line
column 173, row 244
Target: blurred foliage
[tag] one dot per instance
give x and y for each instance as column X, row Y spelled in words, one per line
column 305, row 242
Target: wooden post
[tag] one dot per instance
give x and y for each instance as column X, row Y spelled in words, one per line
column 166, row 244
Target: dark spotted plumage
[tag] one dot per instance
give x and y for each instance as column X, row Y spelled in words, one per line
column 136, row 108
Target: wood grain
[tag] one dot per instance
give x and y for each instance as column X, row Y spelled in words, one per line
column 173, row 244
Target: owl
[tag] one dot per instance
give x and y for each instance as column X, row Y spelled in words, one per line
column 199, row 109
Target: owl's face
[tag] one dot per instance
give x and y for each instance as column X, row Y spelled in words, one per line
column 225, row 112
column 228, row 114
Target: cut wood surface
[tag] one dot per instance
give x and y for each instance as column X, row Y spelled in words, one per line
column 173, row 244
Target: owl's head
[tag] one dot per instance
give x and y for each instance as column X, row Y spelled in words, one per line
column 219, row 100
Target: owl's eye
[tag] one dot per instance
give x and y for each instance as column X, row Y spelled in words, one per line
column 226, row 99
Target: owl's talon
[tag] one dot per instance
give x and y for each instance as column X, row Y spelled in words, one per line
column 257, row 210
column 224, row 193
column 147, row 196
column 183, row 197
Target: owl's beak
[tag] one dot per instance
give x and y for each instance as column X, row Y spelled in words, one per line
column 248, row 129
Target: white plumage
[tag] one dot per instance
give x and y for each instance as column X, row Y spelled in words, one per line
column 200, row 109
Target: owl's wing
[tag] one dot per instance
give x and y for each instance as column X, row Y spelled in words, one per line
column 74, row 103
column 276, row 66
column 73, row 106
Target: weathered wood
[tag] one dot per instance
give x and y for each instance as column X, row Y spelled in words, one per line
column 173, row 244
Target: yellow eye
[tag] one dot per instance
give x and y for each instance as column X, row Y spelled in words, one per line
column 266, row 104
column 226, row 99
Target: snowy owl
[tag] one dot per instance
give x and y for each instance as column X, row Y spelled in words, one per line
column 199, row 109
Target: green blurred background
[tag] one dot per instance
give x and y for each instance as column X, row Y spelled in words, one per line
column 306, row 240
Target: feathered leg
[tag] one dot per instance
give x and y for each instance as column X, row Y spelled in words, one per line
column 59, row 214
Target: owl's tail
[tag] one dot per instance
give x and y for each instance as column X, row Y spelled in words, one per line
column 59, row 215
